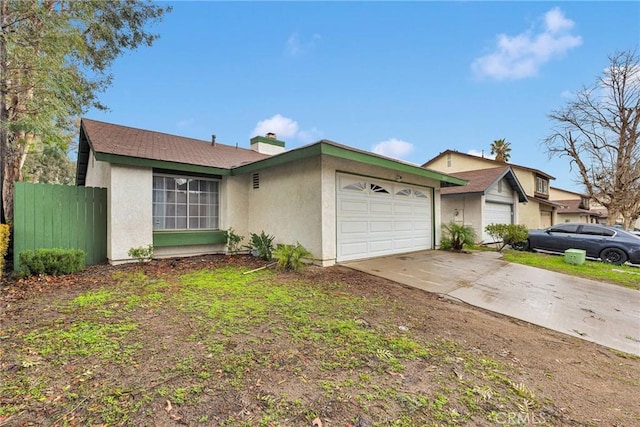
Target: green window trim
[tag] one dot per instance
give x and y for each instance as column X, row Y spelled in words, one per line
column 162, row 239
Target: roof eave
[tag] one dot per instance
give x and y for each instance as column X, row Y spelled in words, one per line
column 325, row 147
column 161, row 164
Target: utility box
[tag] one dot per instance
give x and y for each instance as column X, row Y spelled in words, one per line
column 575, row 256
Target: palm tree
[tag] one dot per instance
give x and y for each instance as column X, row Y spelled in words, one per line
column 501, row 149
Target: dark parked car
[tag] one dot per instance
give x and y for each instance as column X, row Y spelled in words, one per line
column 610, row 244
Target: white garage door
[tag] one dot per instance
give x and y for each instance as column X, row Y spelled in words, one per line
column 376, row 217
column 496, row 213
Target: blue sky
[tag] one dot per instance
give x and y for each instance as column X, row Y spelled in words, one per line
column 403, row 79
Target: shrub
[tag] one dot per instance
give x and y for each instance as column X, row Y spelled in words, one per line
column 141, row 253
column 233, row 241
column 455, row 236
column 5, row 231
column 507, row 234
column 262, row 245
column 51, row 261
column 290, row 256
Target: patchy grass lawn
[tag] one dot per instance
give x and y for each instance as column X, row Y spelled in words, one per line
column 201, row 342
column 623, row 275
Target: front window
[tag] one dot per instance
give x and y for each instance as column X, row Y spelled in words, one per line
column 542, row 185
column 585, row 203
column 185, row 203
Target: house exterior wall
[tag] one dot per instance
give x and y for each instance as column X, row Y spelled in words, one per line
column 129, row 211
column 500, row 192
column 573, row 217
column 287, row 205
column 560, row 194
column 234, row 204
column 469, row 211
column 98, row 173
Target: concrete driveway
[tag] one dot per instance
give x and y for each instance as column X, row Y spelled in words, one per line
column 606, row 314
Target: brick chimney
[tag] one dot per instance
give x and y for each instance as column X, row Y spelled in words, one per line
column 268, row 144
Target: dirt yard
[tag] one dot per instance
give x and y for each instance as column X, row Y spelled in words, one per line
column 576, row 382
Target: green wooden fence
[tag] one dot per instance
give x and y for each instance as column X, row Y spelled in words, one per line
column 60, row 216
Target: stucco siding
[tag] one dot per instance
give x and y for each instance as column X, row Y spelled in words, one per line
column 234, row 204
column 465, row 210
column 98, row 173
column 129, row 211
column 288, row 204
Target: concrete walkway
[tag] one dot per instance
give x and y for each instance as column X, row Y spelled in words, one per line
column 606, row 314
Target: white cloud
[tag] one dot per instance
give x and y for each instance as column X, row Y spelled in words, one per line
column 309, row 136
column 295, row 46
column 286, row 129
column 481, row 153
column 520, row 56
column 283, row 127
column 394, row 148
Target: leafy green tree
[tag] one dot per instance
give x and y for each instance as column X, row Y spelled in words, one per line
column 508, row 234
column 55, row 57
column 49, row 164
column 501, row 149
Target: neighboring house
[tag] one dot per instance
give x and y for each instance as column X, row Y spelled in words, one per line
column 538, row 212
column 491, row 196
column 181, row 194
column 575, row 207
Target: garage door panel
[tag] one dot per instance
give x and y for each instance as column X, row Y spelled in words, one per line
column 403, row 209
column 376, row 218
column 381, row 247
column 353, row 227
column 353, row 206
column 403, row 243
column 381, row 207
column 353, row 249
column 495, row 213
column 381, row 226
column 422, row 226
column 422, row 210
column 403, row 226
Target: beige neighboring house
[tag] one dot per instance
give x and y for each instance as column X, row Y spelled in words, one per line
column 491, row 196
column 575, row 207
column 538, row 212
column 182, row 195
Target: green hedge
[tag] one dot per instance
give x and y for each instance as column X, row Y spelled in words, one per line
column 51, row 261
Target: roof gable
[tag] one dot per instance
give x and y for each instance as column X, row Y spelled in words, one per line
column 490, row 162
column 479, row 181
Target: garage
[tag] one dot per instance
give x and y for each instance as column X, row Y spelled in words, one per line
column 377, row 217
column 496, row 213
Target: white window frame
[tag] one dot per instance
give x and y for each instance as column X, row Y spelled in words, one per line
column 542, row 185
column 176, row 209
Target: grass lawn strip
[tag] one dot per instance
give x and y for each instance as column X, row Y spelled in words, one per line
column 271, row 343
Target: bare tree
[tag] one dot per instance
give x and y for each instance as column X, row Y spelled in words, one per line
column 598, row 131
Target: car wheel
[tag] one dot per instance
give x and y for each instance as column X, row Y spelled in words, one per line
column 521, row 246
column 613, row 256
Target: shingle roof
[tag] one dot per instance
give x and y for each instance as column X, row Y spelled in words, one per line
column 120, row 140
column 480, row 180
column 573, row 206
